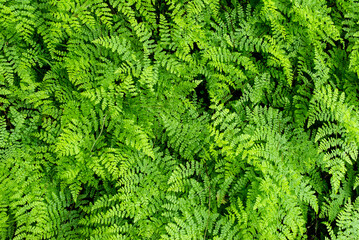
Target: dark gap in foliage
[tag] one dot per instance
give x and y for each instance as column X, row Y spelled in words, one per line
column 195, row 48
column 161, row 8
column 313, row 225
column 202, row 93
column 41, row 71
column 257, row 56
column 9, row 125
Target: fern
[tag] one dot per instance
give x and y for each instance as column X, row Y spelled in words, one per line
column 176, row 119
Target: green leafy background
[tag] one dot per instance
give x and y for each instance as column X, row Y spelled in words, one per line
column 179, row 119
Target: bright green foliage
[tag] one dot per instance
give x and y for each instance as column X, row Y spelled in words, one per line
column 179, row 119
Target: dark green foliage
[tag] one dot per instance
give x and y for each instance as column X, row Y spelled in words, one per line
column 179, row 119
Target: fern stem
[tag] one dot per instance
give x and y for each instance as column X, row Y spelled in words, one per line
column 103, row 124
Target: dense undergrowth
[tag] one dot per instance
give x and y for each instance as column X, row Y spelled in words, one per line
column 179, row 119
